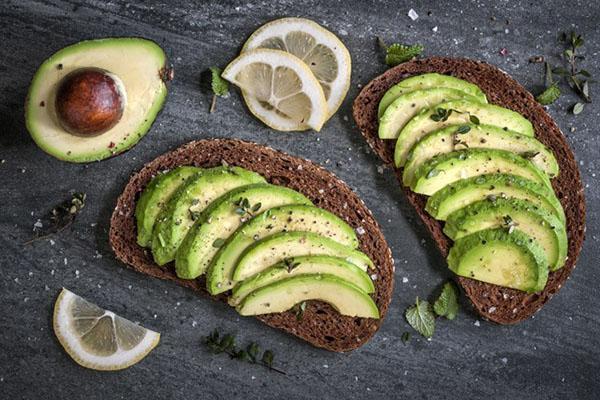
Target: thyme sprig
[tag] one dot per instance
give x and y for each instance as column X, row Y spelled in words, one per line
column 225, row 344
column 60, row 217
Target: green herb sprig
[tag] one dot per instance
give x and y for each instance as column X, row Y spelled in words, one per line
column 421, row 316
column 578, row 79
column 244, row 209
column 220, row 87
column 60, row 217
column 398, row 53
column 218, row 344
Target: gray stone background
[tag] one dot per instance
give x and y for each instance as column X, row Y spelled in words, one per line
column 552, row 356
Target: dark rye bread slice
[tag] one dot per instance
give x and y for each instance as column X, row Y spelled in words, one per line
column 320, row 325
column 498, row 304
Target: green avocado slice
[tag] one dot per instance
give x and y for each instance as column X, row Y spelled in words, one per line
column 139, row 64
column 536, row 222
column 185, row 206
column 154, row 197
column 275, row 220
column 406, row 106
column 428, row 81
column 222, row 218
column 276, row 248
column 282, row 295
column 491, row 186
column 458, row 112
column 445, row 169
column 513, row 260
column 303, row 265
column 470, row 136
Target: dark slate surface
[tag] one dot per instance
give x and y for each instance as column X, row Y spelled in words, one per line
column 554, row 355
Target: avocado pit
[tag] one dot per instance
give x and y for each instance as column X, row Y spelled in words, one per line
column 89, row 101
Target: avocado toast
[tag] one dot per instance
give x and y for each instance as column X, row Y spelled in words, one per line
column 320, row 325
column 494, row 302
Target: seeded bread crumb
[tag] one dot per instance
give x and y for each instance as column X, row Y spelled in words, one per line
column 320, row 325
column 496, row 303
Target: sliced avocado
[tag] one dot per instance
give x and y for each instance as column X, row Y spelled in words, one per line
column 138, row 68
column 222, row 218
column 410, row 104
column 492, row 186
column 282, row 295
column 280, row 246
column 536, row 222
column 458, row 112
column 445, row 169
column 301, row 266
column 428, row 81
column 154, row 197
column 275, row 220
column 470, row 136
column 185, row 206
column 513, row 260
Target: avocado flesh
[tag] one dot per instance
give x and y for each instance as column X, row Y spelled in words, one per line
column 176, row 219
column 495, row 256
column 276, row 248
column 296, row 266
column 275, row 220
column 445, row 169
column 154, row 197
column 448, row 139
column 406, row 106
column 488, row 114
column 428, row 81
column 467, row 191
column 283, row 295
column 222, row 218
column 534, row 221
column 137, row 62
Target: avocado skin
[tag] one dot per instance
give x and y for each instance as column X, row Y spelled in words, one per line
column 312, row 243
column 154, row 197
column 478, row 136
column 462, row 113
column 272, row 221
column 407, row 105
column 294, row 266
column 494, row 183
column 455, row 161
column 300, row 285
column 484, row 241
column 428, row 81
column 486, row 210
column 130, row 138
column 173, row 233
column 190, row 257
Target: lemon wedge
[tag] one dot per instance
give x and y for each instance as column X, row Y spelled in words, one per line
column 97, row 338
column 321, row 50
column 279, row 89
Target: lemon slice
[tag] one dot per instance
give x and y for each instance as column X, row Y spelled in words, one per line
column 97, row 338
column 321, row 50
column 279, row 89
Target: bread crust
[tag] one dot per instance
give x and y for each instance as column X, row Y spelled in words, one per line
column 320, row 325
column 496, row 303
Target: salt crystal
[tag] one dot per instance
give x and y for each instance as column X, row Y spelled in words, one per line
column 476, row 323
column 412, row 14
column 404, row 280
column 360, row 230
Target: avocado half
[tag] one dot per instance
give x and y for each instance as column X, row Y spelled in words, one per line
column 140, row 65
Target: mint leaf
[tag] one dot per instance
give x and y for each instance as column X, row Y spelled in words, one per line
column 421, row 318
column 549, row 96
column 446, row 304
column 399, row 53
column 219, row 86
